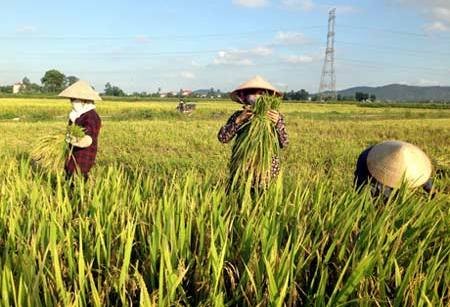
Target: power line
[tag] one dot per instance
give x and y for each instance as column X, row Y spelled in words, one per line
column 71, row 53
column 162, row 72
column 390, row 65
column 117, row 53
column 391, row 31
column 153, row 37
column 211, row 35
column 277, row 64
column 380, row 47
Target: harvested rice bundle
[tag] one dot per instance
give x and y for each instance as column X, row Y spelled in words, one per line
column 254, row 148
column 52, row 151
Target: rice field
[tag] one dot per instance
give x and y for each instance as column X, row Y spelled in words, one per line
column 154, row 225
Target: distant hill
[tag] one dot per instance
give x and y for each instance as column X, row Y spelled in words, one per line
column 400, row 92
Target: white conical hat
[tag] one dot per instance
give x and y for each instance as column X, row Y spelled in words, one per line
column 80, row 90
column 256, row 82
column 390, row 162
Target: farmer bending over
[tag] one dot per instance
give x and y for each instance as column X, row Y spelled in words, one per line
column 83, row 114
column 247, row 95
column 385, row 166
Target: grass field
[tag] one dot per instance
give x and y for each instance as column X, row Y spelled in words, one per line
column 155, row 226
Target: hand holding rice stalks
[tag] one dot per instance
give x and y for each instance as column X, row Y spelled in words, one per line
column 52, row 151
column 255, row 146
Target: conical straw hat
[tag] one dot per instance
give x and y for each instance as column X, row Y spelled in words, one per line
column 256, row 82
column 392, row 161
column 80, row 90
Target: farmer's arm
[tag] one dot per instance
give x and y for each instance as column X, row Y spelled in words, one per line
column 362, row 175
column 83, row 142
column 281, row 130
column 91, row 129
column 228, row 131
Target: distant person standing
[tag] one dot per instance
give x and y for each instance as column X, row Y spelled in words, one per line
column 387, row 165
column 181, row 105
column 83, row 114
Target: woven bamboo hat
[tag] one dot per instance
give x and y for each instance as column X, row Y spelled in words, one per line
column 392, row 161
column 80, row 90
column 256, row 82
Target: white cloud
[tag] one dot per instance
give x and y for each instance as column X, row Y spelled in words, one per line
column 261, row 51
column 303, row 5
column 309, row 5
column 281, row 85
column 436, row 26
column 402, row 82
column 241, row 56
column 26, row 29
column 425, row 82
column 344, row 9
column 251, row 3
column 441, row 13
column 290, row 38
column 232, row 57
column 298, row 59
column 187, row 75
column 436, row 11
column 142, row 39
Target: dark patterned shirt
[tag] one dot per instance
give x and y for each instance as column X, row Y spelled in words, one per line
column 84, row 158
column 230, row 129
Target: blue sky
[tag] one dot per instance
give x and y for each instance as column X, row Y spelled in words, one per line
column 146, row 45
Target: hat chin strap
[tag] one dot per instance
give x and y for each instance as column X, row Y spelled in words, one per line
column 240, row 100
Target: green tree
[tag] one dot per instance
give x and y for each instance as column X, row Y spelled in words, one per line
column 360, row 96
column 71, row 80
column 53, row 81
column 25, row 81
column 111, row 90
column 303, row 94
column 212, row 92
column 8, row 89
column 297, row 95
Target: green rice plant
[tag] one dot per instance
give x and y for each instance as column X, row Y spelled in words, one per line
column 155, row 225
column 51, row 151
column 254, row 148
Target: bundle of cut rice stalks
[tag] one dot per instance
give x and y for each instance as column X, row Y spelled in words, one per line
column 51, row 151
column 252, row 152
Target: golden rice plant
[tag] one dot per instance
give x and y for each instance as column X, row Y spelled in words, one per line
column 51, row 151
column 252, row 152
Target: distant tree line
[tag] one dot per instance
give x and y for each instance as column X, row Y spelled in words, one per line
column 206, row 93
column 52, row 82
column 55, row 81
column 111, row 90
column 360, row 96
column 296, row 95
column 6, row 89
column 303, row 95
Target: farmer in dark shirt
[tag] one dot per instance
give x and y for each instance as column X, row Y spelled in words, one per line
column 247, row 94
column 83, row 114
column 386, row 165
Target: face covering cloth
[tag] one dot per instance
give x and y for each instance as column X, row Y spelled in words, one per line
column 79, row 108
